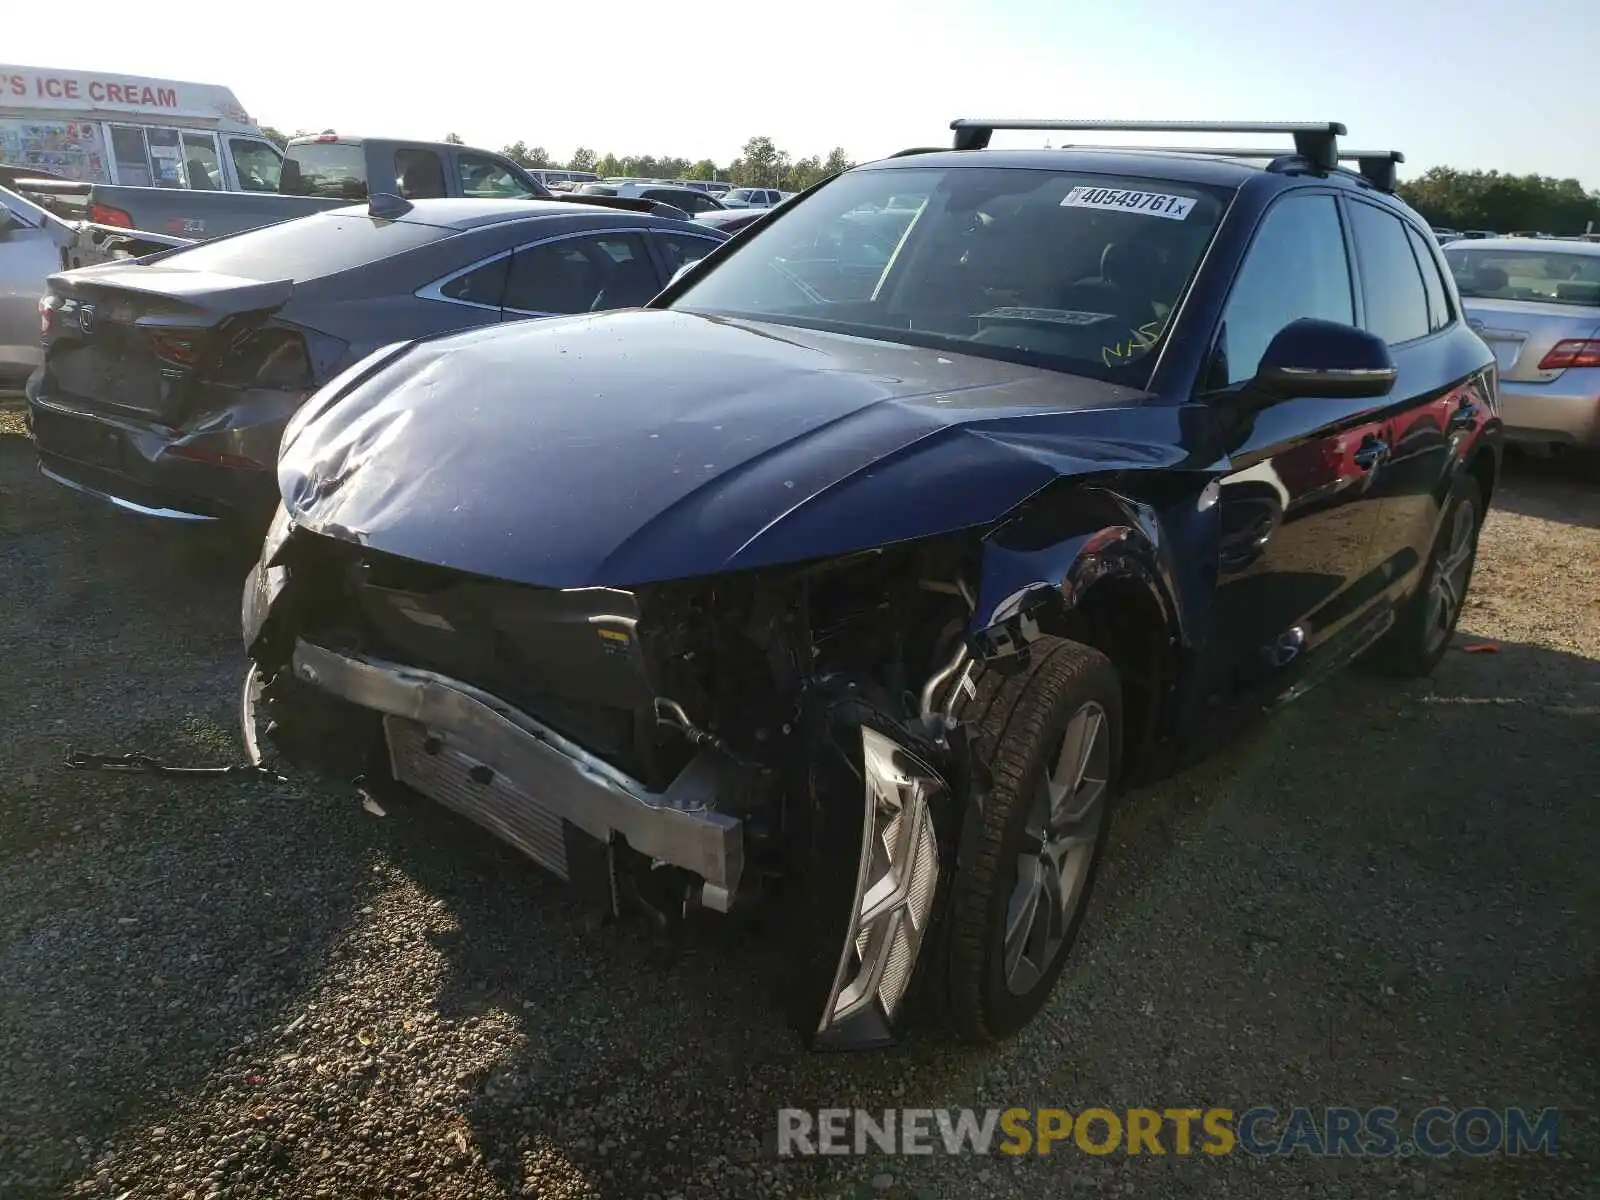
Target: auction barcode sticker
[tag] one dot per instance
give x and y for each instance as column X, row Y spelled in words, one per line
column 1156, row 204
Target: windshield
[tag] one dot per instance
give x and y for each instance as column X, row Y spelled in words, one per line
column 1550, row 276
column 1075, row 271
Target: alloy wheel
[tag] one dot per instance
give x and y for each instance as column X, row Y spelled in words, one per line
column 1057, row 850
column 1447, row 590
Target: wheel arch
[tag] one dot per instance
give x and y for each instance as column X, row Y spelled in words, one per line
column 1104, row 567
column 1484, row 466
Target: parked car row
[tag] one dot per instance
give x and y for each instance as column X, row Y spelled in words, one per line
column 690, row 200
column 854, row 572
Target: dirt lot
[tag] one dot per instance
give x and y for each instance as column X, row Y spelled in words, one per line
column 229, row 989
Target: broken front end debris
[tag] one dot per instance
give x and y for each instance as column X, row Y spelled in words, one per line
column 703, row 744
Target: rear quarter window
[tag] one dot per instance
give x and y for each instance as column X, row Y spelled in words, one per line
column 308, row 248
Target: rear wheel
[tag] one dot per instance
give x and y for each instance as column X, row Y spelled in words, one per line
column 1428, row 620
column 1051, row 738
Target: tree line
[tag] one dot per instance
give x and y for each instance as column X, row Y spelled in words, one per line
column 1456, row 199
column 760, row 164
column 1447, row 197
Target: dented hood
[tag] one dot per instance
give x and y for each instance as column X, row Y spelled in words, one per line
column 626, row 447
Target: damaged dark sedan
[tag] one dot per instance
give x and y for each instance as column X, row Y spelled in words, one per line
column 167, row 380
column 854, row 578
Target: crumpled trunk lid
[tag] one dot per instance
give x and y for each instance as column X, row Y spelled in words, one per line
column 134, row 338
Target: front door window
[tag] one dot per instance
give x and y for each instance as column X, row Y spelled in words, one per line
column 257, row 164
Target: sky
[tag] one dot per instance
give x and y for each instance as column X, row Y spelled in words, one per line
column 1465, row 83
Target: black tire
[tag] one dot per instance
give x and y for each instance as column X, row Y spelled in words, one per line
column 1416, row 643
column 1020, row 721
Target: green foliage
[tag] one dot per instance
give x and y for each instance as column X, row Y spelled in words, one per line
column 836, row 161
column 454, row 139
column 761, row 164
column 1456, row 199
column 276, row 136
column 519, row 153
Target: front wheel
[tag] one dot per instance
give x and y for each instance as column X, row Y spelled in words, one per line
column 1051, row 738
column 1427, row 621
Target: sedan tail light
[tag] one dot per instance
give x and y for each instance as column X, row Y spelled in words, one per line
column 180, row 350
column 1572, row 352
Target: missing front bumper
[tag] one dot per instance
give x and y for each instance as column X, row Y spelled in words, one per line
column 473, row 752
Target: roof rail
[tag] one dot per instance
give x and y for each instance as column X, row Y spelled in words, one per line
column 1377, row 167
column 1315, row 141
column 919, row 150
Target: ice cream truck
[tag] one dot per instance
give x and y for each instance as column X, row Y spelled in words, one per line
column 98, row 127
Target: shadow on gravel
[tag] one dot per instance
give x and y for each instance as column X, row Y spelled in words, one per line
column 1379, row 893
column 149, row 931
column 1565, row 490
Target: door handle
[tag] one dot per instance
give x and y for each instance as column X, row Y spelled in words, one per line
column 1372, row 453
column 1465, row 417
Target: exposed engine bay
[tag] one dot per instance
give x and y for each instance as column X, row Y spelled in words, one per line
column 704, row 700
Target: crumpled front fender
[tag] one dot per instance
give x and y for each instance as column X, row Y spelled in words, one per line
column 1046, row 559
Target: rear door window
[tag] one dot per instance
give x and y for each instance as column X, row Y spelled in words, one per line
column 679, row 249
column 419, row 175
column 1439, row 314
column 1391, row 285
column 581, row 274
column 131, row 155
column 307, row 248
column 166, row 157
column 331, row 169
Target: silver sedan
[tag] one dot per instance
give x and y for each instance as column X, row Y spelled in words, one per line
column 30, row 249
column 1536, row 301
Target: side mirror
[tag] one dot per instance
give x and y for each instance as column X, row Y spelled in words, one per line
column 1327, row 360
column 681, row 272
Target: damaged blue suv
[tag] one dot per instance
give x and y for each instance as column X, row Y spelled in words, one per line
column 856, row 574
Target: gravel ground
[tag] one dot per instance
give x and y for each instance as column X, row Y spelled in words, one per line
column 221, row 988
